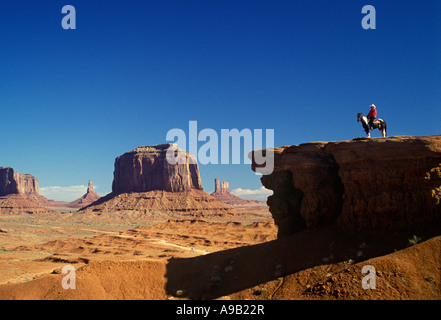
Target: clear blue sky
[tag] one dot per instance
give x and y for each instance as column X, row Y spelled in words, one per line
column 73, row 100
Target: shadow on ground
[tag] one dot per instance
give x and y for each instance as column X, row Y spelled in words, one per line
column 222, row 273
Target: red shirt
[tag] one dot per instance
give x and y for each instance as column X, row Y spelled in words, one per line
column 373, row 113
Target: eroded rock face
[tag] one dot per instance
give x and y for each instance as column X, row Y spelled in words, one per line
column 27, row 184
column 384, row 184
column 147, row 169
column 12, row 182
column 147, row 186
column 8, row 184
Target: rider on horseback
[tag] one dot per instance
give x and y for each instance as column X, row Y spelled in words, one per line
column 372, row 116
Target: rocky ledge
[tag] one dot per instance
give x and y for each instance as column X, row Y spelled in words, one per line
column 382, row 185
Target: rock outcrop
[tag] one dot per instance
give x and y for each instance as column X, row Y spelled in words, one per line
column 217, row 186
column 8, row 183
column 147, row 169
column 225, row 187
column 89, row 198
column 223, row 194
column 12, row 182
column 146, row 185
column 381, row 185
column 27, row 184
column 19, row 193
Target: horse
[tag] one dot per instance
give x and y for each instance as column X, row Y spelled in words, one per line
column 379, row 124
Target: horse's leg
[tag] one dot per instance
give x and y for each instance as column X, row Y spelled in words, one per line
column 368, row 132
column 366, row 128
column 382, row 129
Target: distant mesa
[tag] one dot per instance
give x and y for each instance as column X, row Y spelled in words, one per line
column 147, row 169
column 222, row 193
column 19, row 193
column 146, row 184
column 12, row 182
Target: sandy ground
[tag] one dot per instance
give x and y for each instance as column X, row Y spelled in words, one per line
column 207, row 259
column 34, row 245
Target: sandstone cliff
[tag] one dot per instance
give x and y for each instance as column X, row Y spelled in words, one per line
column 19, row 193
column 146, row 185
column 146, row 169
column 27, row 184
column 12, row 182
column 382, row 185
column 8, row 184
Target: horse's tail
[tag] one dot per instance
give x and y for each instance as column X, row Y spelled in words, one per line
column 385, row 128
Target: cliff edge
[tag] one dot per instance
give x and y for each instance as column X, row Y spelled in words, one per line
column 382, row 185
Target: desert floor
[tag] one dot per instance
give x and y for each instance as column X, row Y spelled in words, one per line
column 199, row 258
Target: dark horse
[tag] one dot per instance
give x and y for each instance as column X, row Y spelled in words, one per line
column 378, row 124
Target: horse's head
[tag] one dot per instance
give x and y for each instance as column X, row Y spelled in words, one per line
column 359, row 117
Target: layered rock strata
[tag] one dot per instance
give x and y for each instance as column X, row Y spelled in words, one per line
column 18, row 204
column 12, row 182
column 147, row 185
column 146, row 169
column 384, row 184
column 161, row 204
column 19, row 193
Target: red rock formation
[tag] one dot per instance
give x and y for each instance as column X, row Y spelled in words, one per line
column 224, row 196
column 216, row 186
column 146, row 169
column 384, row 184
column 225, row 187
column 145, row 184
column 27, row 184
column 20, row 194
column 11, row 182
column 89, row 198
column 8, row 184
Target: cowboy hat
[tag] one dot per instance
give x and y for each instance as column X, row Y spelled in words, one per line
column 373, row 106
